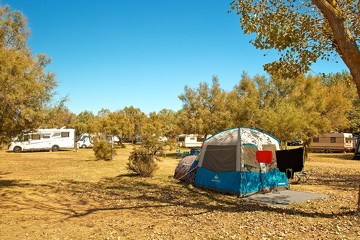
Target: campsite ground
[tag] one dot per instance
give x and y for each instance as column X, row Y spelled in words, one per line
column 70, row 195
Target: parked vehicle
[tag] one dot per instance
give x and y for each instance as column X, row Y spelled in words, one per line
column 191, row 140
column 85, row 141
column 333, row 142
column 44, row 139
column 295, row 143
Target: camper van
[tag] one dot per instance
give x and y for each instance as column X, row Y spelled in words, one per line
column 86, row 140
column 191, row 140
column 333, row 142
column 43, row 139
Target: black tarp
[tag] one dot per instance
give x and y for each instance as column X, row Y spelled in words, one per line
column 290, row 161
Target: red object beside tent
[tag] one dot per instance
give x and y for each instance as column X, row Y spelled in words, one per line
column 264, row 156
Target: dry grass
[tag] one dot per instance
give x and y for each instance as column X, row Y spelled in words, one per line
column 70, row 195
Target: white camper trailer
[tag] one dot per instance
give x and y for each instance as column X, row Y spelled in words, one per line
column 44, row 139
column 190, row 141
column 333, row 142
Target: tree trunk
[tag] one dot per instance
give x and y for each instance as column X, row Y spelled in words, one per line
column 358, row 209
column 344, row 41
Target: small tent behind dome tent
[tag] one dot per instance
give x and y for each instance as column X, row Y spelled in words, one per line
column 239, row 161
column 186, row 169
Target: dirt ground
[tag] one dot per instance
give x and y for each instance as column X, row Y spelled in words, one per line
column 70, row 195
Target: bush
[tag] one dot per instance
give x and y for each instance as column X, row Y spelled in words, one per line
column 142, row 162
column 103, row 150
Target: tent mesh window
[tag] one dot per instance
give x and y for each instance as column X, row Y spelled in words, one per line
column 249, row 158
column 220, row 158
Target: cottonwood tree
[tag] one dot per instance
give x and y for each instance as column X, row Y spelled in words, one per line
column 306, row 107
column 160, row 130
column 204, row 109
column 82, row 122
column 58, row 115
column 353, row 115
column 243, row 102
column 137, row 119
column 25, row 86
column 303, row 32
column 300, row 108
column 169, row 130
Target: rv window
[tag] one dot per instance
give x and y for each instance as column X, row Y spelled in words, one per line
column 35, row 136
column 200, row 139
column 46, row 136
column 192, row 138
column 65, row 134
column 26, row 137
column 333, row 139
column 56, row 134
column 181, row 139
column 348, row 140
column 316, row 139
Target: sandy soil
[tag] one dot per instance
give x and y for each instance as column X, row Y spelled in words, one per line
column 69, row 195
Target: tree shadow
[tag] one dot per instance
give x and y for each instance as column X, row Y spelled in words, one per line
column 76, row 199
column 6, row 183
column 335, row 180
column 197, row 200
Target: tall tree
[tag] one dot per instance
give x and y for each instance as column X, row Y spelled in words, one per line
column 58, row 115
column 300, row 108
column 204, row 109
column 137, row 119
column 25, row 86
column 82, row 122
column 303, row 32
column 353, row 115
column 243, row 102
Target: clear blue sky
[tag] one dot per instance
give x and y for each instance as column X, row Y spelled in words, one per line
column 117, row 53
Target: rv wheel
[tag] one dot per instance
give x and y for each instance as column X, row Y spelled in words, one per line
column 55, row 148
column 83, row 146
column 17, row 149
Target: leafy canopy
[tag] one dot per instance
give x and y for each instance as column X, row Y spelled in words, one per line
column 25, row 86
column 303, row 32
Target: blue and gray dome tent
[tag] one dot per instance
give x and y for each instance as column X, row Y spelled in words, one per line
column 239, row 161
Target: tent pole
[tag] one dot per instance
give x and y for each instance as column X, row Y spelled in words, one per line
column 238, row 158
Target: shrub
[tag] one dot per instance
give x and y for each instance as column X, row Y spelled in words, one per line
column 142, row 162
column 103, row 150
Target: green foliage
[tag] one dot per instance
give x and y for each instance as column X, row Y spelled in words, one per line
column 125, row 123
column 142, row 162
column 25, row 87
column 83, row 122
column 103, row 150
column 204, row 109
column 303, row 32
column 288, row 109
column 58, row 116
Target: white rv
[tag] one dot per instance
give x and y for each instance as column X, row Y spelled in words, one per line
column 333, row 142
column 44, row 139
column 86, row 140
column 191, row 140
